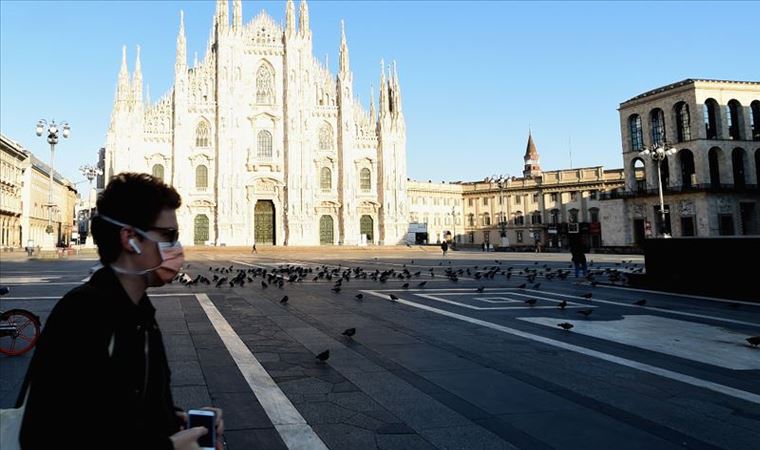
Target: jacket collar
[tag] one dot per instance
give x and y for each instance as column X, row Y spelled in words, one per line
column 106, row 281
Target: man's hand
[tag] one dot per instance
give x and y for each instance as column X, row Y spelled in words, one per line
column 219, row 425
column 188, row 439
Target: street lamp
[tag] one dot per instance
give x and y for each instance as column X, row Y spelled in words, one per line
column 89, row 172
column 659, row 153
column 502, row 181
column 454, row 215
column 52, row 138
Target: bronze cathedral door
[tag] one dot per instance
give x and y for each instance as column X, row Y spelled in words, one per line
column 263, row 222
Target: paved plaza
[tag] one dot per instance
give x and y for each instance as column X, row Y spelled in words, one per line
column 461, row 352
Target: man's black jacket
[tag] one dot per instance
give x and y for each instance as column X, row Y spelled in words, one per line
column 89, row 387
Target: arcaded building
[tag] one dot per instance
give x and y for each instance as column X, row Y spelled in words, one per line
column 710, row 181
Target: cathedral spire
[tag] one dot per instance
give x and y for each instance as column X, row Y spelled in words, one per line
column 290, row 19
column 396, row 90
column 303, row 20
column 237, row 15
column 122, row 86
column 372, row 114
column 383, row 90
column 137, row 81
column 344, row 69
column 222, row 15
column 181, row 63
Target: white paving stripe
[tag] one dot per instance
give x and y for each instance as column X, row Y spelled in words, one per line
column 295, row 432
column 676, row 376
column 695, row 341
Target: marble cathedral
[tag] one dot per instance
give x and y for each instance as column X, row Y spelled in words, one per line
column 264, row 144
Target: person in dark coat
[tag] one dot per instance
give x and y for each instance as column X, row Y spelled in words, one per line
column 99, row 378
column 444, row 247
column 578, row 252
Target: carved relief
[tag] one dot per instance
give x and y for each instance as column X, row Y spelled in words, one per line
column 639, row 211
column 686, row 208
column 263, row 186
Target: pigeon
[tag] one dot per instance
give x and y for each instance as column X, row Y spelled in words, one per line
column 405, row 285
column 349, row 332
column 264, row 284
column 480, row 289
column 531, row 301
column 522, row 286
column 641, row 302
column 565, row 325
column 537, row 285
column 586, row 312
column 324, row 356
column 284, row 299
column 754, row 341
column 359, row 296
column 336, row 289
column 5, row 290
column 587, row 295
column 393, row 298
column 422, row 284
column 562, row 304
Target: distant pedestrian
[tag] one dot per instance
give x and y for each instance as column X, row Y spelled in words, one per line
column 538, row 245
column 483, row 246
column 444, row 247
column 107, row 384
column 253, row 249
column 578, row 253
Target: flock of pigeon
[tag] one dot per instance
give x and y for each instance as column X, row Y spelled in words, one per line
column 278, row 277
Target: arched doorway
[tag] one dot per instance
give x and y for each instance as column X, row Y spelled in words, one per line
column 326, row 230
column 366, row 226
column 200, row 232
column 263, row 222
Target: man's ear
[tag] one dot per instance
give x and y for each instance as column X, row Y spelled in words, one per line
column 125, row 235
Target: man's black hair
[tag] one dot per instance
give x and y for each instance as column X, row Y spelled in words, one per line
column 135, row 199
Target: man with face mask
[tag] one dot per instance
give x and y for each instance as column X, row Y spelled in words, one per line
column 100, row 378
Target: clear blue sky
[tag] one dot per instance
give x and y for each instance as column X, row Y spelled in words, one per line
column 474, row 75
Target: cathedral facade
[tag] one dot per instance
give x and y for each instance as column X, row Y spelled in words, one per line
column 264, row 144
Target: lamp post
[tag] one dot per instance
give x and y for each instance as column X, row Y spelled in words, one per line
column 89, row 172
column 659, row 153
column 502, row 181
column 454, row 215
column 52, row 138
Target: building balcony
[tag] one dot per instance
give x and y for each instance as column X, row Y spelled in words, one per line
column 710, row 188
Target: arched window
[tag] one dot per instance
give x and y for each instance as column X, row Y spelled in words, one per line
column 713, row 157
column 755, row 108
column 711, row 118
column 683, row 122
column 735, row 122
column 737, row 160
column 486, row 219
column 657, row 121
column 573, row 215
column 639, row 174
column 536, row 218
column 519, row 218
column 264, row 144
column 158, row 171
column 201, row 177
column 637, row 136
column 202, row 134
column 326, row 137
column 325, row 179
column 555, row 216
column 686, row 159
column 365, row 180
column 593, row 214
column 200, row 232
column 264, row 89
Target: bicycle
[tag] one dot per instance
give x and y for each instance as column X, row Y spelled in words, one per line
column 17, row 326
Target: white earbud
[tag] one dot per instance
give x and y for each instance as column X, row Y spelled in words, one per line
column 135, row 247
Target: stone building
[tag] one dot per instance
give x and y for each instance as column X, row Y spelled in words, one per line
column 263, row 142
column 26, row 199
column 435, row 212
column 13, row 160
column 541, row 206
column 515, row 212
column 710, row 182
